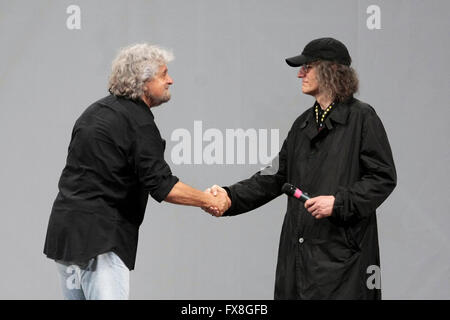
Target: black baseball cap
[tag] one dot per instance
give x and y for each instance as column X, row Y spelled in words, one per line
column 322, row 49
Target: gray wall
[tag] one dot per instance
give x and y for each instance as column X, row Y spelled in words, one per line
column 229, row 72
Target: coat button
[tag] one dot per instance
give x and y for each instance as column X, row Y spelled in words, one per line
column 301, row 240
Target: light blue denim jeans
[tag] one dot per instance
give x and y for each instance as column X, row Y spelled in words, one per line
column 104, row 277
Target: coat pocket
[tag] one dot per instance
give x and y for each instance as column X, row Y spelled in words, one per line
column 332, row 264
column 351, row 240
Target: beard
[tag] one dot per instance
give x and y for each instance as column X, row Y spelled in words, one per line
column 156, row 100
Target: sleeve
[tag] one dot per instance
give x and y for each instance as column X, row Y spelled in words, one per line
column 378, row 178
column 259, row 189
column 153, row 171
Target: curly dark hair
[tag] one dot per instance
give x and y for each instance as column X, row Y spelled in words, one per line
column 339, row 81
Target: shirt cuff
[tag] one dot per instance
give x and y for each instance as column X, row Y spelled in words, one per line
column 164, row 188
column 230, row 209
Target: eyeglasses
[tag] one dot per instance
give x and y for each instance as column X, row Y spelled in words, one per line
column 304, row 69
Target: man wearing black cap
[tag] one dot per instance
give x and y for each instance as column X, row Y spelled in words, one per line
column 338, row 152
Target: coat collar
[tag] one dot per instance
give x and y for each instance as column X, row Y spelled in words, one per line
column 340, row 111
column 339, row 115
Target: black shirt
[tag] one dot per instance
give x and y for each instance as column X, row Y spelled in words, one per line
column 321, row 115
column 115, row 159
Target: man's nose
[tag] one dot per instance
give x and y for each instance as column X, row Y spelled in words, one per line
column 300, row 74
column 169, row 80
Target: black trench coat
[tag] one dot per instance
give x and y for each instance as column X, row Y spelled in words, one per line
column 330, row 258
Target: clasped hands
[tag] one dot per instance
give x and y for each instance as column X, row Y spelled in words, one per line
column 220, row 202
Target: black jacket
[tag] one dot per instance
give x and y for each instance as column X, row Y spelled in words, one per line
column 115, row 159
column 330, row 258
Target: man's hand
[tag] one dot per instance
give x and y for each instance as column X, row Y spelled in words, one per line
column 224, row 202
column 320, row 207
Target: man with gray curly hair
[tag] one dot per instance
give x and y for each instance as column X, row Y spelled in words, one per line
column 132, row 69
column 115, row 159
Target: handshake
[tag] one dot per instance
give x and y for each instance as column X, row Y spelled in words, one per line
column 219, row 202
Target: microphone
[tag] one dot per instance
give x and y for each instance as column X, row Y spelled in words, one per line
column 295, row 192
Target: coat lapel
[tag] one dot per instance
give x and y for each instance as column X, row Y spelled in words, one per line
column 338, row 115
column 309, row 125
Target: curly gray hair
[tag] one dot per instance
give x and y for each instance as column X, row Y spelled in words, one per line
column 338, row 81
column 133, row 66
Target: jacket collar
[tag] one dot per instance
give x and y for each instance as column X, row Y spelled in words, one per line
column 130, row 103
column 339, row 115
column 340, row 111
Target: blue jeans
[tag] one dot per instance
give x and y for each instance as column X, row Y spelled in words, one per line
column 104, row 277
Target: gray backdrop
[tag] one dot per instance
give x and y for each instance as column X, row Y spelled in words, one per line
column 230, row 73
